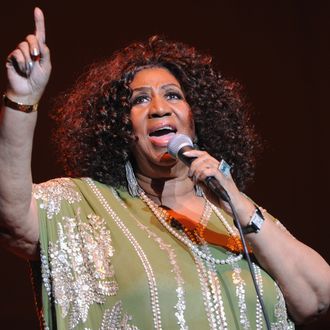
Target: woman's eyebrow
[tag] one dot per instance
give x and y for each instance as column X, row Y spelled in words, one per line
column 146, row 88
column 170, row 85
column 143, row 89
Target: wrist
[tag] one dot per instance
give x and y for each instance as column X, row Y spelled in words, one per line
column 255, row 223
column 244, row 208
column 19, row 105
column 24, row 98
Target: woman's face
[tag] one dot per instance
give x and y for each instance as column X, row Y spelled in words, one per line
column 159, row 110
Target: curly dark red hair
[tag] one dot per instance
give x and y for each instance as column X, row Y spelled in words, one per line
column 94, row 133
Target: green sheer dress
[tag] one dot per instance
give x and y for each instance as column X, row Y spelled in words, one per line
column 108, row 263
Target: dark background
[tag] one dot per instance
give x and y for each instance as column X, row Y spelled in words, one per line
column 279, row 51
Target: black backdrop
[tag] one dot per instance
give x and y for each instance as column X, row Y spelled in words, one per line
column 278, row 50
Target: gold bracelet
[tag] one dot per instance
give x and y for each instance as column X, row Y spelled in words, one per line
column 19, row 106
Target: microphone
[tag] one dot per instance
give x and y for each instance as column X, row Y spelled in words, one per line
column 181, row 143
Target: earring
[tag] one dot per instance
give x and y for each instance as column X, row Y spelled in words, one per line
column 132, row 184
column 198, row 190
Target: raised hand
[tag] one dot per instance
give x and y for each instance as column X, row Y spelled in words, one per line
column 29, row 66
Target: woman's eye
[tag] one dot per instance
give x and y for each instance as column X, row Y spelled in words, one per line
column 139, row 99
column 174, row 96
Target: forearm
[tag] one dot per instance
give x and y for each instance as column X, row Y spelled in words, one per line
column 16, row 138
column 302, row 274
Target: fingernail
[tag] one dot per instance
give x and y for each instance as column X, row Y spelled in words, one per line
column 27, row 68
column 35, row 52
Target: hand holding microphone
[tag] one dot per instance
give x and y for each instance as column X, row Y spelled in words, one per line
column 180, row 144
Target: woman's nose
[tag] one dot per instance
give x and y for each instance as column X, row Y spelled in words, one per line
column 159, row 108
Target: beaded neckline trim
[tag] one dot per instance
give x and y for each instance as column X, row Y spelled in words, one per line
column 162, row 215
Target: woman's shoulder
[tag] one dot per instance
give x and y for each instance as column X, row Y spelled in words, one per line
column 54, row 194
column 64, row 188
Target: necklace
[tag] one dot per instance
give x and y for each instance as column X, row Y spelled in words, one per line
column 163, row 216
column 196, row 234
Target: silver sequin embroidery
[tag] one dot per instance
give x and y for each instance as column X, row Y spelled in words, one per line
column 81, row 270
column 180, row 306
column 240, row 290
column 283, row 322
column 45, row 273
column 116, row 319
column 53, row 192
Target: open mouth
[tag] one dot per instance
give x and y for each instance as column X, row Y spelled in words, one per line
column 163, row 131
column 162, row 135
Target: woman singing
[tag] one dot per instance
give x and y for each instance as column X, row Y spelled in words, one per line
column 133, row 238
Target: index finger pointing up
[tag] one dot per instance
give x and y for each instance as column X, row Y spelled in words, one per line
column 39, row 21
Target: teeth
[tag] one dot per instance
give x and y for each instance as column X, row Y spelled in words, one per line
column 165, row 127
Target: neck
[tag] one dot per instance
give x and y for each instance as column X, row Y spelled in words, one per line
column 166, row 190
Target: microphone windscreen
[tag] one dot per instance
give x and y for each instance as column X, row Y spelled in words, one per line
column 177, row 143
